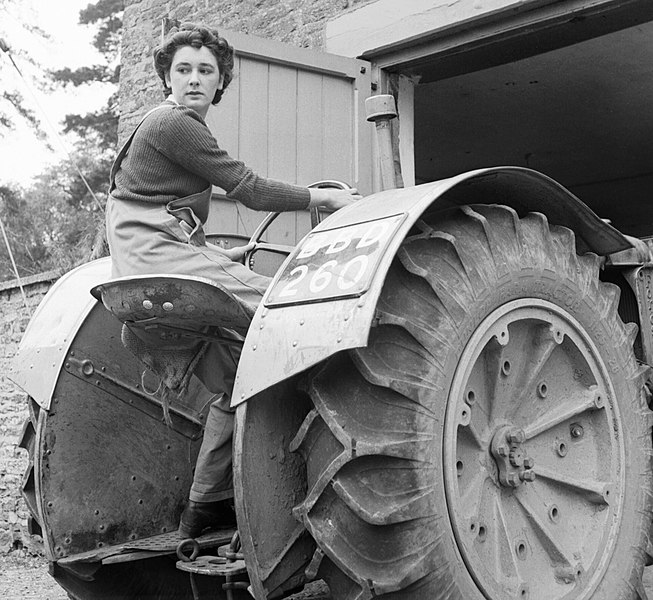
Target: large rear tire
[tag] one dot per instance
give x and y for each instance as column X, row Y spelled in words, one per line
column 492, row 441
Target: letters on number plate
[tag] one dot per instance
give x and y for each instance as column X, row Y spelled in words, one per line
column 334, row 263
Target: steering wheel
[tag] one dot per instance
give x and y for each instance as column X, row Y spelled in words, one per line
column 317, row 217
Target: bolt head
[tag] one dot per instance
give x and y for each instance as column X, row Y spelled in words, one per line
column 527, row 475
column 513, row 479
column 529, row 463
column 516, row 436
column 576, row 431
column 516, row 459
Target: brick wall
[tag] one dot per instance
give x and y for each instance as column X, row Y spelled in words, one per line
column 14, row 316
column 297, row 22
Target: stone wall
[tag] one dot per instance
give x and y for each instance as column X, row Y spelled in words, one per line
column 14, row 316
column 297, row 22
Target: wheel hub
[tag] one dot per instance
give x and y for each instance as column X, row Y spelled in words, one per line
column 531, row 403
column 513, row 463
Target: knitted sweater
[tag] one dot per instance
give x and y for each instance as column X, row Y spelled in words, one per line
column 173, row 154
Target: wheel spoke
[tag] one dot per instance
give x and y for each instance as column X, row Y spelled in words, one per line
column 476, row 396
column 590, row 399
column 493, row 354
column 597, row 492
column 470, row 436
column 505, row 560
column 474, row 491
column 545, row 339
column 557, row 553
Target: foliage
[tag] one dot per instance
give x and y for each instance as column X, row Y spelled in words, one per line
column 100, row 127
column 98, row 134
column 69, row 216
column 86, row 74
column 107, row 40
column 12, row 101
column 57, row 223
column 13, row 107
column 28, row 248
column 54, row 224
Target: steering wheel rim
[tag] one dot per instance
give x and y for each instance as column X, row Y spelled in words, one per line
column 316, row 218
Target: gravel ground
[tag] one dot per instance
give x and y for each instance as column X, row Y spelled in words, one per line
column 26, row 578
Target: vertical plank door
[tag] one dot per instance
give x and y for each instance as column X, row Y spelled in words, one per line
column 291, row 114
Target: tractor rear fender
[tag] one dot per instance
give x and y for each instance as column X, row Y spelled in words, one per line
column 53, row 327
column 323, row 299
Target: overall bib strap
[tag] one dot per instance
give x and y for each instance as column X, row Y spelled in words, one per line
column 125, row 147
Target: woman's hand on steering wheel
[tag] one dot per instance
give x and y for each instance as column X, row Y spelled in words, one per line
column 238, row 253
column 328, row 195
column 332, row 199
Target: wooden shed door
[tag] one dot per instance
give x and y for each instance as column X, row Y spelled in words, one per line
column 291, row 114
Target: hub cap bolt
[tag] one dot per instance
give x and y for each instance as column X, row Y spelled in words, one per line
column 516, row 458
column 513, row 479
column 528, row 475
column 576, row 431
column 516, row 436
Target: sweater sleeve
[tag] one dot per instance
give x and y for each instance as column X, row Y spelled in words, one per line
column 184, row 138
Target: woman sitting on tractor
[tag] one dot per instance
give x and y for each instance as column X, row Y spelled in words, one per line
column 160, row 191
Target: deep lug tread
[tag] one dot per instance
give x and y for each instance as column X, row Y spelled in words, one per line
column 365, row 505
column 446, row 275
column 391, row 347
column 364, row 557
column 367, row 485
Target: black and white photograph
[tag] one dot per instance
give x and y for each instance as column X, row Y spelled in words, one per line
column 326, row 299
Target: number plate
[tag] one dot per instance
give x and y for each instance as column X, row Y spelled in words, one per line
column 336, row 263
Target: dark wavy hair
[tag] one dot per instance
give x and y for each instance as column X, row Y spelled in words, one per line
column 190, row 34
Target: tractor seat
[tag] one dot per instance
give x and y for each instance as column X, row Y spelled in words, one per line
column 182, row 306
column 168, row 320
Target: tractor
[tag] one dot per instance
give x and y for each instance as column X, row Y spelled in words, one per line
column 444, row 395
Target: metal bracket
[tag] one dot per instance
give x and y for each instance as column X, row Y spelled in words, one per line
column 214, row 566
column 183, row 422
column 641, row 281
column 228, row 564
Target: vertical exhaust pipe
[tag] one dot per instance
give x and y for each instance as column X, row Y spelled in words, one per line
column 381, row 110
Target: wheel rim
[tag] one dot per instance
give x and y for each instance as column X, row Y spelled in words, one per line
column 533, row 456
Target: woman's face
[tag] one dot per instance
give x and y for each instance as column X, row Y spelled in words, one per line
column 194, row 78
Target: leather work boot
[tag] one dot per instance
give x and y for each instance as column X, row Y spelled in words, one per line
column 198, row 516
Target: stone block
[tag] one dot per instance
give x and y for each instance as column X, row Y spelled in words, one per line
column 13, row 411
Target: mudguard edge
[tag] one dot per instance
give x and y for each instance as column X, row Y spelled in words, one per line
column 35, row 367
column 285, row 340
